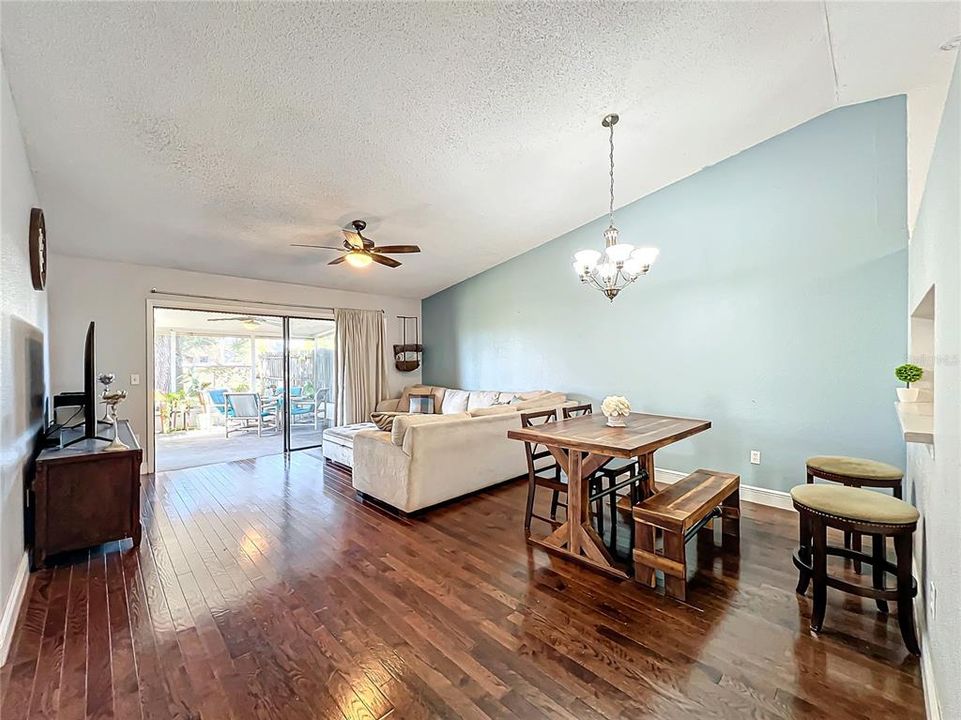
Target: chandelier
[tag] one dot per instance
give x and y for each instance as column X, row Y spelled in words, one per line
column 620, row 264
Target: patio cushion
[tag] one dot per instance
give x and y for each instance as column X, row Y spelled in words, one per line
column 868, row 506
column 853, row 467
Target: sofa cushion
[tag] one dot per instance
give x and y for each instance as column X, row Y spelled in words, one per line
column 344, row 434
column 481, row 399
column 545, row 400
column 531, row 395
column 403, row 422
column 455, row 401
column 493, row 410
column 384, row 420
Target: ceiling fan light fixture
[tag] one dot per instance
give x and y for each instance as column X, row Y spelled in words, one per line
column 358, row 259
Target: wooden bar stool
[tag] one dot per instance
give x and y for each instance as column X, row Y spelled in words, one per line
column 854, row 472
column 543, row 471
column 856, row 510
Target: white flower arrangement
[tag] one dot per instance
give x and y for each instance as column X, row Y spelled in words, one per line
column 615, row 406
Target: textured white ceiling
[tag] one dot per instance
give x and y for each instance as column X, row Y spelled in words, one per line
column 208, row 136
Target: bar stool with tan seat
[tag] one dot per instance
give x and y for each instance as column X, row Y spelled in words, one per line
column 856, row 510
column 855, row 472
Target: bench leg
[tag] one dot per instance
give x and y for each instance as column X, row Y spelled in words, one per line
column 731, row 515
column 644, row 536
column 675, row 586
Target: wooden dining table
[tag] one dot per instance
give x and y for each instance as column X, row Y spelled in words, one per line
column 581, row 446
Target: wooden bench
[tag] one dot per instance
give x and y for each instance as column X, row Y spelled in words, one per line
column 679, row 512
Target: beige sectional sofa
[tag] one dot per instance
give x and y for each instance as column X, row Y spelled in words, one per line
column 427, row 459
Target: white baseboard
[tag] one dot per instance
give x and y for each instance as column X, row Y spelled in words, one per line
column 932, row 703
column 749, row 493
column 12, row 608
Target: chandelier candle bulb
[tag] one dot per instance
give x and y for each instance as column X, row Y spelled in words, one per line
column 622, row 263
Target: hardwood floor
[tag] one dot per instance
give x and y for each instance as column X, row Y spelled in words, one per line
column 266, row 590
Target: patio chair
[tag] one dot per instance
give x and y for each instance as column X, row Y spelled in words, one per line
column 301, row 407
column 245, row 412
column 216, row 400
column 320, row 405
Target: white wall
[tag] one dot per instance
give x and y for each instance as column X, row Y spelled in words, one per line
column 115, row 295
column 934, row 473
column 23, row 313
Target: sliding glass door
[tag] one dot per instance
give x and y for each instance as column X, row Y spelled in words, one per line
column 308, row 390
column 238, row 385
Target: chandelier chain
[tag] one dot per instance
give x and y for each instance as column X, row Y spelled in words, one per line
column 620, row 264
column 612, row 176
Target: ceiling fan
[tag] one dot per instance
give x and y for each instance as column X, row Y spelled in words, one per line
column 251, row 322
column 360, row 251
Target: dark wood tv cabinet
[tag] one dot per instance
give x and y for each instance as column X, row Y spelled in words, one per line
column 84, row 495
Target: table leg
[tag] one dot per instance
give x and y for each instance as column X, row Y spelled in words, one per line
column 647, row 487
column 576, row 500
column 576, row 538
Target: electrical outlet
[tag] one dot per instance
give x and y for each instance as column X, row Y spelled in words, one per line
column 134, row 379
column 755, row 457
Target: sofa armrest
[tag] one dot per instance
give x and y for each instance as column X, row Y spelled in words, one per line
column 388, row 405
column 381, row 469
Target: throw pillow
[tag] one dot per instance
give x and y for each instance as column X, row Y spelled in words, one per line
column 421, row 404
column 455, row 401
column 384, row 420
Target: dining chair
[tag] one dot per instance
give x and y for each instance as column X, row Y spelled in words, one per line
column 539, row 474
column 611, row 473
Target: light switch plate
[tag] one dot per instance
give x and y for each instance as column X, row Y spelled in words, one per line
column 134, row 379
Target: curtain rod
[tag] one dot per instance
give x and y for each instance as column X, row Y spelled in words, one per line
column 155, row 291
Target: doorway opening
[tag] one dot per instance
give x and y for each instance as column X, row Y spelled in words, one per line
column 236, row 386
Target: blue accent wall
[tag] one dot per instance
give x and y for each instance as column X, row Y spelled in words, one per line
column 776, row 309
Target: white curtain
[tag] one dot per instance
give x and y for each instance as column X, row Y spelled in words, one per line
column 360, row 364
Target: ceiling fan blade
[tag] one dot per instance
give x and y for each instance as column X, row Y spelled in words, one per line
column 318, row 247
column 397, row 249
column 337, row 260
column 353, row 239
column 384, row 260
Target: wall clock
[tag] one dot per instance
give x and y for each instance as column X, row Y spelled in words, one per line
column 38, row 249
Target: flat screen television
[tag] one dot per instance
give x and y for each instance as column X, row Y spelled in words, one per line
column 89, row 384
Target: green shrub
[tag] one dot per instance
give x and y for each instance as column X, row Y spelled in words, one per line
column 908, row 373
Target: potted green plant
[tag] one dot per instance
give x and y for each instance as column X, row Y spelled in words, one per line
column 908, row 374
